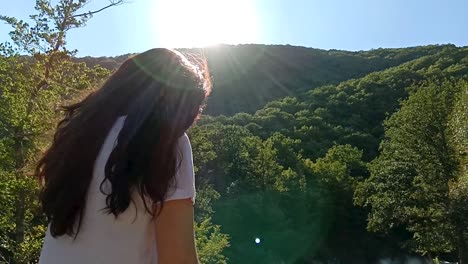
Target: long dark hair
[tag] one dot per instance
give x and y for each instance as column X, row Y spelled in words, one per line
column 162, row 93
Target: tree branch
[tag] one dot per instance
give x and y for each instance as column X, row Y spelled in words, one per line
column 112, row 3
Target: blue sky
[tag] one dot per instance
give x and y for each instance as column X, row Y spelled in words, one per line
column 326, row 24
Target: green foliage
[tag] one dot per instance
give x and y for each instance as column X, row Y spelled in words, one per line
column 413, row 179
column 206, row 196
column 210, row 242
column 458, row 132
column 319, row 143
column 50, row 26
column 288, row 162
column 458, row 139
column 247, row 77
column 203, row 149
column 33, row 229
column 31, row 89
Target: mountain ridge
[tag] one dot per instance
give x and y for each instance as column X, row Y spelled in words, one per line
column 246, row 77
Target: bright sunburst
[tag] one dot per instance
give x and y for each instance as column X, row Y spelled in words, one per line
column 198, row 23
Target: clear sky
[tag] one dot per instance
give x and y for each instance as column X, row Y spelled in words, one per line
column 326, row 24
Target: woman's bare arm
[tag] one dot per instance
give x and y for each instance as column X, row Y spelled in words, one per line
column 175, row 234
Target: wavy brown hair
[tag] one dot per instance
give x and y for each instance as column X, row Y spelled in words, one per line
column 161, row 93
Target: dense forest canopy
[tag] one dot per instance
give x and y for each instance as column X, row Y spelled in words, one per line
column 249, row 76
column 290, row 146
column 303, row 155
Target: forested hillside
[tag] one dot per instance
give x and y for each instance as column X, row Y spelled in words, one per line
column 297, row 171
column 296, row 160
column 249, row 76
column 302, row 156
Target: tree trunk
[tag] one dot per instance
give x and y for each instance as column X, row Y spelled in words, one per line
column 20, row 209
column 19, row 216
column 462, row 248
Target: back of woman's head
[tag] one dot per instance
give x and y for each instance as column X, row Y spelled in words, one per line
column 161, row 93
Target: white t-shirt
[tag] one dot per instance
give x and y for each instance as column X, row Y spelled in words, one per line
column 131, row 237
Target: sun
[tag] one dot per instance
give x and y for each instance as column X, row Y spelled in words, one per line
column 200, row 23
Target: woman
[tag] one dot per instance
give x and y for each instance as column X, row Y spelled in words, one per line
column 118, row 177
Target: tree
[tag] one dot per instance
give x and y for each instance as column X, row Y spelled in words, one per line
column 458, row 138
column 31, row 89
column 233, row 146
column 312, row 149
column 337, row 174
column 413, row 180
column 263, row 170
column 211, row 242
column 202, row 147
